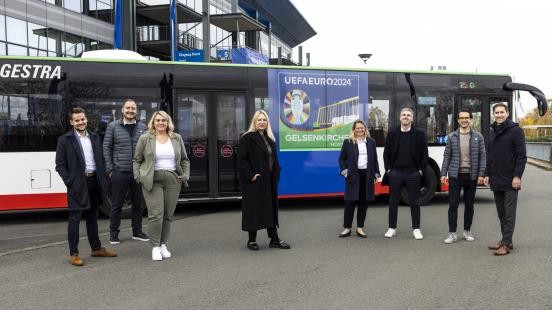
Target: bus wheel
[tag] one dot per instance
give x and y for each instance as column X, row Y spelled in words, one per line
column 427, row 192
column 126, row 211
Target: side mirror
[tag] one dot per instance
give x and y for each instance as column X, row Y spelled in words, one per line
column 535, row 92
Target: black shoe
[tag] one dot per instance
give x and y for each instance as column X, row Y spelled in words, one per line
column 253, row 246
column 361, row 235
column 280, row 245
column 114, row 238
column 344, row 235
column 140, row 236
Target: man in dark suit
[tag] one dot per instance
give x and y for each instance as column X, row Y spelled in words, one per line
column 80, row 164
column 506, row 159
column 405, row 157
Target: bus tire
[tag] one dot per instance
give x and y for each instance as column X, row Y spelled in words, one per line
column 426, row 192
column 126, row 211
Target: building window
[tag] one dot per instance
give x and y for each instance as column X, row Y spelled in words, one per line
column 17, row 30
column 73, row 5
column 17, row 50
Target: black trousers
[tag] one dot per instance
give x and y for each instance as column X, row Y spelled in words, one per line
column 91, row 220
column 455, row 186
column 411, row 179
column 121, row 183
column 506, row 203
column 272, row 234
column 349, row 212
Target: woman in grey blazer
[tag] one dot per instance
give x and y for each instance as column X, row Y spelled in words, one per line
column 162, row 167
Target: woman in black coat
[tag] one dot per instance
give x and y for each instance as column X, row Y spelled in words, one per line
column 259, row 175
column 358, row 163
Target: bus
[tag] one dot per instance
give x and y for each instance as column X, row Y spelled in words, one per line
column 311, row 111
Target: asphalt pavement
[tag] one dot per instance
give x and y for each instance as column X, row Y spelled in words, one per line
column 212, row 269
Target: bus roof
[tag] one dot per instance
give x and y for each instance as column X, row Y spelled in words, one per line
column 68, row 59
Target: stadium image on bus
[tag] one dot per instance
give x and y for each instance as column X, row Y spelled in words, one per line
column 311, row 111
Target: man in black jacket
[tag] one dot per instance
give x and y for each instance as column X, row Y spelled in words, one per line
column 506, row 158
column 80, row 165
column 405, row 156
column 121, row 137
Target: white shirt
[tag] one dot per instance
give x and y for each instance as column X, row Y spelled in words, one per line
column 164, row 156
column 86, row 146
column 362, row 155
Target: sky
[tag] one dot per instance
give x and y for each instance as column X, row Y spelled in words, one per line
column 495, row 36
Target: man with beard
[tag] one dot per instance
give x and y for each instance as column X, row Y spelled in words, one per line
column 80, row 165
column 120, row 141
column 463, row 167
column 405, row 157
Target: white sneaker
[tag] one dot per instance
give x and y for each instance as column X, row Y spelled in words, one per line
column 451, row 238
column 417, row 234
column 164, row 251
column 468, row 235
column 156, row 253
column 390, row 233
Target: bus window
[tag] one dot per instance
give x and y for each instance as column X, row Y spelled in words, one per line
column 30, row 122
column 100, row 112
column 473, row 104
column 231, row 122
column 380, row 93
column 433, row 96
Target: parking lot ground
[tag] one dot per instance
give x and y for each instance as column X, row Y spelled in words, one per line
column 212, row 269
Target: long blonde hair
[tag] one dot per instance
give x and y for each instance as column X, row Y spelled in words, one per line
column 352, row 134
column 268, row 129
column 170, row 125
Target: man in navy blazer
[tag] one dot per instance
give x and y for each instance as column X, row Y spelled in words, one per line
column 80, row 164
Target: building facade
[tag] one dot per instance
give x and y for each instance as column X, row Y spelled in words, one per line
column 66, row 28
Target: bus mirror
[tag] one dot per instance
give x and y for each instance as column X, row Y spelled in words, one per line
column 535, row 92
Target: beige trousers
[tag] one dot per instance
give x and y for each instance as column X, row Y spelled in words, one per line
column 161, row 202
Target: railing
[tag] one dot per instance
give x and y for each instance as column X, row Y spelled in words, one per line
column 339, row 113
column 162, row 33
column 539, row 150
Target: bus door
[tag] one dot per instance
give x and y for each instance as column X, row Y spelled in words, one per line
column 481, row 108
column 211, row 124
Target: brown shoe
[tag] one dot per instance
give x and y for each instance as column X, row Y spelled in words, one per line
column 103, row 252
column 495, row 247
column 75, row 260
column 502, row 250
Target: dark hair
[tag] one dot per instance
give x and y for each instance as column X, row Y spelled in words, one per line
column 465, row 111
column 76, row 110
column 501, row 104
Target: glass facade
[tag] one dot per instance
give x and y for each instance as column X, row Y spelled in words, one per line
column 24, row 38
column 100, row 9
column 191, row 34
column 21, row 38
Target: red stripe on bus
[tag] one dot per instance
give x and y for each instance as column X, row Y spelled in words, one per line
column 33, row 201
column 379, row 190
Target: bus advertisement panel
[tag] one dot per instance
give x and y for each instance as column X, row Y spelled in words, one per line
column 313, row 113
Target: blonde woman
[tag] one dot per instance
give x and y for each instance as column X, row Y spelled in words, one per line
column 162, row 167
column 358, row 163
column 259, row 175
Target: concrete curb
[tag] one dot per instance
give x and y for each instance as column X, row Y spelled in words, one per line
column 540, row 163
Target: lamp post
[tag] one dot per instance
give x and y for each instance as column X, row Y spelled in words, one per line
column 364, row 57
